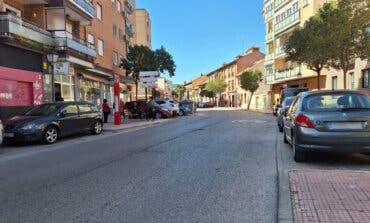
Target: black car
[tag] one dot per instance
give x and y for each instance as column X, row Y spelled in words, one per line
column 282, row 111
column 50, row 121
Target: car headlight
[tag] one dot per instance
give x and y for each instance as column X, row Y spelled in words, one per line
column 29, row 127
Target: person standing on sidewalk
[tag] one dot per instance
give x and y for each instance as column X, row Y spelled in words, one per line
column 151, row 109
column 106, row 110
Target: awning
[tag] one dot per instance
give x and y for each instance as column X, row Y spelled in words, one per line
column 103, row 73
column 94, row 78
column 80, row 62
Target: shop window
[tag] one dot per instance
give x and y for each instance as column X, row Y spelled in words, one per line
column 366, row 78
column 99, row 11
column 100, row 47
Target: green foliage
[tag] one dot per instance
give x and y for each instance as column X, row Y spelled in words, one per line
column 142, row 58
column 217, row 86
column 250, row 80
column 179, row 90
column 206, row 93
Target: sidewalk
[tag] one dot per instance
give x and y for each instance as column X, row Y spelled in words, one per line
column 130, row 123
column 330, row 196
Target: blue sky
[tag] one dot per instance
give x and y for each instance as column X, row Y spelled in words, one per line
column 203, row 34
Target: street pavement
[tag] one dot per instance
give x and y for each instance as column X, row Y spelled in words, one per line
column 215, row 166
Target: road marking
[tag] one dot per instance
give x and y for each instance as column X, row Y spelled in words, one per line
column 241, row 121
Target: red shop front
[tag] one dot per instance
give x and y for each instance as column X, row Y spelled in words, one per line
column 20, row 87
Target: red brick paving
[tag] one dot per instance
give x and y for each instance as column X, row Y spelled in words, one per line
column 330, row 196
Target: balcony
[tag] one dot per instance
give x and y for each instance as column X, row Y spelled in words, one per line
column 287, row 22
column 288, row 73
column 270, row 78
column 130, row 28
column 84, row 6
column 279, row 51
column 269, row 36
column 129, row 6
column 65, row 41
column 13, row 27
column 81, row 11
column 269, row 15
column 269, row 57
column 279, row 3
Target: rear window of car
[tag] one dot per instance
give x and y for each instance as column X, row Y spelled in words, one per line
column 335, row 102
column 288, row 101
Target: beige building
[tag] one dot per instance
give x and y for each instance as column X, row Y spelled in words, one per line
column 281, row 18
column 143, row 34
column 164, row 87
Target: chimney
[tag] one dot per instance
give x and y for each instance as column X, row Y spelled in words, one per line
column 253, row 49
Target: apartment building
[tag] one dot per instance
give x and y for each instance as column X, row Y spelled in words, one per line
column 197, row 85
column 83, row 39
column 281, row 18
column 231, row 71
column 164, row 87
column 143, row 34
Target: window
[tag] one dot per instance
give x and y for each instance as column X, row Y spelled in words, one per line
column 12, row 10
column 120, row 34
column 118, row 6
column 90, row 39
column 114, row 30
column 305, row 2
column 84, row 108
column 112, row 2
column 99, row 12
column 100, row 47
column 70, row 110
column 351, row 81
column 115, row 58
column 334, row 83
column 366, row 78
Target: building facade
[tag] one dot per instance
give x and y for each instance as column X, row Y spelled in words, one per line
column 281, row 18
column 143, row 34
column 87, row 39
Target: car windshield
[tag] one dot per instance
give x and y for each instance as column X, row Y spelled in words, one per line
column 336, row 102
column 42, row 110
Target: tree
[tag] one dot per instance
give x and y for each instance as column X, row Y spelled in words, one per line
column 347, row 22
column 308, row 45
column 139, row 58
column 249, row 81
column 217, row 86
column 207, row 94
column 180, row 91
column 142, row 58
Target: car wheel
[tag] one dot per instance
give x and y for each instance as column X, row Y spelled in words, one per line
column 158, row 115
column 298, row 156
column 50, row 135
column 98, row 128
column 181, row 113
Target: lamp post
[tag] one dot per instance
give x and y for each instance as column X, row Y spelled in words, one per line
column 52, row 58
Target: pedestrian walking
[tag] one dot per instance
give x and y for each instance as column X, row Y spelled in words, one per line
column 106, row 110
column 151, row 107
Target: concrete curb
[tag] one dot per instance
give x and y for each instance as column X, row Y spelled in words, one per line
column 133, row 125
column 284, row 202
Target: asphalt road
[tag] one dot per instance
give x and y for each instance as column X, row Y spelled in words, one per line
column 217, row 166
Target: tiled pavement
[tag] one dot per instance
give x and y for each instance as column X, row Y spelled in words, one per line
column 330, row 196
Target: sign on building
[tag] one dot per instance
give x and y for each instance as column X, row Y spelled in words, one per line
column 61, row 68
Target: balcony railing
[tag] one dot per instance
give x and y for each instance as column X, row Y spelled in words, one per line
column 269, row 57
column 65, row 41
column 288, row 73
column 269, row 36
column 270, row 78
column 129, row 6
column 13, row 26
column 85, row 6
column 290, row 20
column 268, row 15
column 278, row 3
column 130, row 28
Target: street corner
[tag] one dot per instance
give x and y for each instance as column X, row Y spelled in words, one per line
column 330, row 196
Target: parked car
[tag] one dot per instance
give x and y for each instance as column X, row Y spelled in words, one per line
column 163, row 112
column 1, row 132
column 138, row 111
column 189, row 104
column 282, row 111
column 201, row 104
column 330, row 121
column 184, row 110
column 287, row 92
column 171, row 105
column 49, row 122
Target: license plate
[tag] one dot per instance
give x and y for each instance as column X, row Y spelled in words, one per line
column 9, row 134
column 347, row 125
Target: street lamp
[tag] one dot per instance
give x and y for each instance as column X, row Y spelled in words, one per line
column 52, row 58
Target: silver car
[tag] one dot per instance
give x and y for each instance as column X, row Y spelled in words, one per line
column 328, row 121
